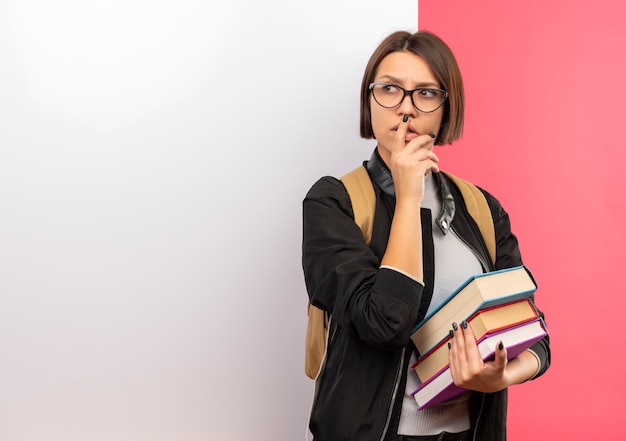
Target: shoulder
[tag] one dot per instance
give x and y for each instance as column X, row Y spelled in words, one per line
column 495, row 206
column 493, row 202
column 326, row 186
column 329, row 191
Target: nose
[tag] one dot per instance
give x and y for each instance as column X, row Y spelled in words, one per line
column 406, row 106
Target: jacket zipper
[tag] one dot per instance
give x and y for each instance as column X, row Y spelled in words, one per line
column 486, row 267
column 394, row 395
column 480, row 257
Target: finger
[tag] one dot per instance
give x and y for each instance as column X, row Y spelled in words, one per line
column 425, row 142
column 500, row 359
column 432, row 166
column 431, row 141
column 468, row 333
column 459, row 339
column 453, row 354
column 400, row 143
column 469, row 354
column 421, row 149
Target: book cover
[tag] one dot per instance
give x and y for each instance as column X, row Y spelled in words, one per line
column 516, row 340
column 480, row 291
column 482, row 322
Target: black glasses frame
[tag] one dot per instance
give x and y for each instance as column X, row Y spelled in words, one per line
column 410, row 93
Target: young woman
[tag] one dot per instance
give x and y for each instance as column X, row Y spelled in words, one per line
column 424, row 245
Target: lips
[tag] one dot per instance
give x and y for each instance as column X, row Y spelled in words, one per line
column 410, row 134
column 410, row 129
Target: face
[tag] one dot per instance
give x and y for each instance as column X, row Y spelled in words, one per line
column 409, row 71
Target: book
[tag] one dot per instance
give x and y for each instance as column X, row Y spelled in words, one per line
column 516, row 339
column 482, row 322
column 478, row 292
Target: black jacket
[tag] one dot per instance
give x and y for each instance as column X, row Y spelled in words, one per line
column 359, row 391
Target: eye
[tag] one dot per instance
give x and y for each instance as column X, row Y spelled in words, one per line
column 428, row 93
column 388, row 89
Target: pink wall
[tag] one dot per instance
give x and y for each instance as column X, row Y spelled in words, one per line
column 544, row 133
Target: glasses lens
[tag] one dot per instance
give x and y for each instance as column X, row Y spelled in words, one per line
column 387, row 95
column 428, row 100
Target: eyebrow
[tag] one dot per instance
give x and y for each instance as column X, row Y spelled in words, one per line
column 399, row 81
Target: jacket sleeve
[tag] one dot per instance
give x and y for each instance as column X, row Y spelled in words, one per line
column 343, row 276
column 508, row 255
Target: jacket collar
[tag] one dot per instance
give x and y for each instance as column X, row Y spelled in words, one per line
column 381, row 176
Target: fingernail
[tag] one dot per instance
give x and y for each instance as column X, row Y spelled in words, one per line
column 501, row 346
column 449, row 345
column 432, row 135
column 455, row 326
column 451, row 333
column 405, row 118
column 464, row 324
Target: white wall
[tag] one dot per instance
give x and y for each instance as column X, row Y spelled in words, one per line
column 153, row 159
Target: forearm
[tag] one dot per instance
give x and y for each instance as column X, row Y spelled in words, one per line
column 404, row 248
column 522, row 368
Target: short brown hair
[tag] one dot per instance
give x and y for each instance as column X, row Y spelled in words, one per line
column 443, row 63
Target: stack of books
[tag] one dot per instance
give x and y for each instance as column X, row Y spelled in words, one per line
column 497, row 307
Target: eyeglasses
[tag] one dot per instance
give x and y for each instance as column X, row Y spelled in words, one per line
column 424, row 99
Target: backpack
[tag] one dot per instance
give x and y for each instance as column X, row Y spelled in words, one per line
column 361, row 192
